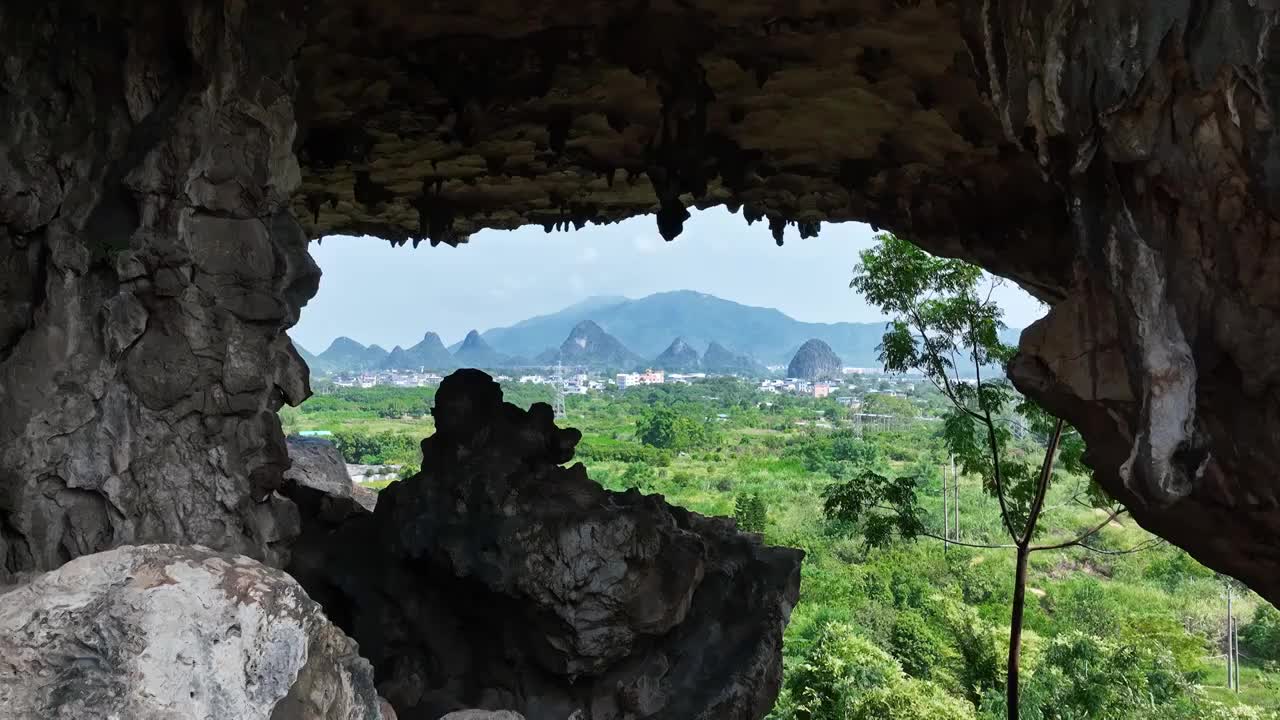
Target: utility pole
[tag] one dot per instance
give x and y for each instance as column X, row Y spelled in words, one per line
column 955, row 500
column 558, row 407
column 946, row 514
column 1233, row 657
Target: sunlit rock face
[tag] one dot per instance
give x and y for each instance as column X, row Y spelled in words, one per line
column 158, row 186
column 159, row 631
column 499, row 578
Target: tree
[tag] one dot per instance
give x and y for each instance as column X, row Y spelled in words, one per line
column 942, row 322
column 750, row 512
column 667, row 429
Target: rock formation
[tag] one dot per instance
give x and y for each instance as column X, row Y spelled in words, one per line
column 678, row 357
column 814, row 361
column 474, row 352
column 155, row 632
column 499, row 578
column 720, row 359
column 1117, row 159
column 589, row 345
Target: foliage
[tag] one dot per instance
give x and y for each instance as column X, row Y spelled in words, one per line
column 376, row 448
column 667, row 429
column 881, row 506
column 839, row 667
column 910, row 700
column 1261, row 636
column 750, row 512
column 915, row 645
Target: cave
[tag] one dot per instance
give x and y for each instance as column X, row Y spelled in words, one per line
column 164, row 166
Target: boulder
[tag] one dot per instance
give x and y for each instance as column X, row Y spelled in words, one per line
column 168, row 631
column 499, row 578
column 317, row 464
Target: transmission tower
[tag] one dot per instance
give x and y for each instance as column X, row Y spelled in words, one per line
column 558, row 405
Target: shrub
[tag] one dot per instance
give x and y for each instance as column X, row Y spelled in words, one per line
column 1261, row 636
column 910, row 700
column 915, row 645
column 750, row 512
column 838, row 668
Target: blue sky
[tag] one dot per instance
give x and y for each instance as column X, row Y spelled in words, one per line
column 376, row 293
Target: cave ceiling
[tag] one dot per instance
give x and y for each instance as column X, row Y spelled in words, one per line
column 433, row 124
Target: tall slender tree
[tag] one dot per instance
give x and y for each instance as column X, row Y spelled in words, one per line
column 945, row 323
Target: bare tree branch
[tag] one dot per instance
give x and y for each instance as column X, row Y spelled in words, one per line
column 1080, row 539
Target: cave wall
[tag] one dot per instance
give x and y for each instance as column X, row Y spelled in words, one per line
column 1114, row 158
column 150, row 268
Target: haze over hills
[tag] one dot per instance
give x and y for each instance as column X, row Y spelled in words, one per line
column 672, row 330
column 648, row 325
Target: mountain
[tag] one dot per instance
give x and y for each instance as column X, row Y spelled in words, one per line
column 475, row 352
column 678, row 357
column 317, row 366
column 430, row 353
column 720, row 359
column 648, row 325
column 345, row 354
column 815, row 361
column 588, row 344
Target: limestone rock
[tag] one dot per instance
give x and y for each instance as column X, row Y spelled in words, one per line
column 483, row 715
column 678, row 357
column 318, row 465
column 502, row 579
column 814, row 361
column 161, row 631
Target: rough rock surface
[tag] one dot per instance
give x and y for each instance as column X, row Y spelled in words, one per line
column 149, row 266
column 815, row 360
column 1118, row 159
column 161, row 631
column 483, row 715
column 317, row 464
column 499, row 578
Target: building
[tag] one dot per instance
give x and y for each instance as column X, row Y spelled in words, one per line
column 821, row 390
column 648, row 377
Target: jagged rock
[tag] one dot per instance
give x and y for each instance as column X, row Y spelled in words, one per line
column 1117, row 159
column 502, row 579
column 589, row 345
column 483, row 715
column 678, row 357
column 164, row 631
column 815, row 361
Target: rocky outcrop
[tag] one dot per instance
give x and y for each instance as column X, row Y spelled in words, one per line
column 160, row 631
column 317, row 464
column 815, row 360
column 678, row 357
column 150, row 267
column 1117, row 159
column 499, row 578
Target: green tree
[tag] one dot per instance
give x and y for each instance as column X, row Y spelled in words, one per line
column 1262, row 635
column 943, row 323
column 667, row 429
column 750, row 512
column 915, row 645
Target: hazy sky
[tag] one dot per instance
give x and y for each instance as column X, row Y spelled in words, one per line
column 376, row 293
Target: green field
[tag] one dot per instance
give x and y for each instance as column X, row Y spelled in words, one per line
column 906, row 631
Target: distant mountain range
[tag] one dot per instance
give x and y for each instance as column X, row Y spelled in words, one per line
column 676, row 331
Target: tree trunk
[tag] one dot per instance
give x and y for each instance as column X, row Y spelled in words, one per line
column 1015, row 629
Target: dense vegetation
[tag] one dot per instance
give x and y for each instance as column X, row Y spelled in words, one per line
column 898, row 629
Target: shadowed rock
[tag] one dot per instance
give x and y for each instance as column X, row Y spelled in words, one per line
column 499, row 578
